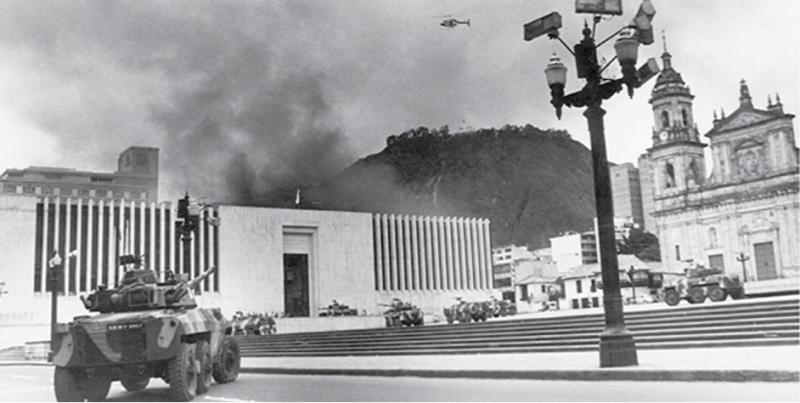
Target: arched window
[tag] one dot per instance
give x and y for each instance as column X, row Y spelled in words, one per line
column 694, row 172
column 664, row 119
column 669, row 176
column 685, row 116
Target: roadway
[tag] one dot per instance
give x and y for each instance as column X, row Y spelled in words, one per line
column 34, row 383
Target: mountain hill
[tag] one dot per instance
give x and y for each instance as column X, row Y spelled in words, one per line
column 532, row 184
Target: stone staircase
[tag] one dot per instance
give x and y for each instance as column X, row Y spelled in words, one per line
column 757, row 322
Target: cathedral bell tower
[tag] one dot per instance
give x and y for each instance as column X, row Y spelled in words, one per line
column 677, row 159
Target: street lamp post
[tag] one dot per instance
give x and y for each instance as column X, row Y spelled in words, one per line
column 54, row 265
column 617, row 347
column 741, row 257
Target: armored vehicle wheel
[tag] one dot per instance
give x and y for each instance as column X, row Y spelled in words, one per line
column 67, row 385
column 672, row 297
column 226, row 368
column 716, row 294
column 134, row 384
column 183, row 373
column 449, row 319
column 96, row 388
column 512, row 310
column 736, row 293
column 697, row 295
column 206, row 367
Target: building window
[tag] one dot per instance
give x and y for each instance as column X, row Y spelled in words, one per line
column 669, row 171
column 29, row 189
column 677, row 252
column 9, row 188
column 544, row 289
column 594, row 285
column 143, row 195
column 664, row 119
column 578, row 287
column 37, row 190
column 575, row 303
column 126, row 195
column 73, row 192
column 523, row 292
column 595, row 302
column 109, row 193
column 685, row 117
column 585, row 303
column 92, row 192
column 83, row 192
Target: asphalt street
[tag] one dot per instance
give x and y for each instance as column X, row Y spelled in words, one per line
column 34, row 383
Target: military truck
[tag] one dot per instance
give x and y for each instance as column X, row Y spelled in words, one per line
column 701, row 282
column 144, row 329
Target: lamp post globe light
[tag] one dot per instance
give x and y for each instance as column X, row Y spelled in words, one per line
column 617, row 346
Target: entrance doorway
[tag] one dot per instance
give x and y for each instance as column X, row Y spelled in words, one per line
column 765, row 261
column 295, row 285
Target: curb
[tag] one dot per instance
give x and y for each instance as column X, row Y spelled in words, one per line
column 572, row 375
column 25, row 363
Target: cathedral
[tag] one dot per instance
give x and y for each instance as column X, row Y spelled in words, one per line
column 741, row 217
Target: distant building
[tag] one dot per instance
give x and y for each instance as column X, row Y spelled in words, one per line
column 742, row 217
column 573, row 249
column 136, row 178
column 627, row 193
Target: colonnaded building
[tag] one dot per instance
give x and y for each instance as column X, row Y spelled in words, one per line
column 269, row 260
column 744, row 216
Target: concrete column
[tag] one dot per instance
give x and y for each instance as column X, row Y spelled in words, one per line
column 436, row 241
column 101, row 266
column 212, row 240
column 415, row 251
column 376, row 245
column 201, row 242
column 57, row 232
column 448, row 240
column 91, row 255
column 67, row 238
column 393, row 250
column 112, row 245
column 484, row 282
column 142, row 227
column 426, row 230
column 458, row 251
column 386, row 253
column 402, row 237
column 152, row 254
column 79, row 268
column 162, row 240
column 45, row 253
column 473, row 278
column 487, row 253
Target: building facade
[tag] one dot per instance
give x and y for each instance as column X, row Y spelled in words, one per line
column 627, row 193
column 136, row 178
column 574, row 249
column 743, row 216
column 286, row 261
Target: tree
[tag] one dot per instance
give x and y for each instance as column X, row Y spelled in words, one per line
column 641, row 244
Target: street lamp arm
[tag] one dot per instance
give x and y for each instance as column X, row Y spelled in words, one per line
column 607, row 64
column 556, row 36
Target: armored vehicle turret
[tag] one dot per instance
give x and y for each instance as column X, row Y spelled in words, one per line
column 144, row 329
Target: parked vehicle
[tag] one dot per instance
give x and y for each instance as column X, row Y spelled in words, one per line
column 144, row 329
column 337, row 309
column 701, row 283
column 258, row 324
column 403, row 314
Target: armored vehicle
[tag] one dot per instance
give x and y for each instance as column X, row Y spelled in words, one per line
column 700, row 283
column 403, row 314
column 144, row 329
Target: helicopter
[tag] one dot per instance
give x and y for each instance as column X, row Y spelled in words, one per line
column 452, row 23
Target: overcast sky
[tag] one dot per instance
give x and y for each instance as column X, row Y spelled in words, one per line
column 300, row 89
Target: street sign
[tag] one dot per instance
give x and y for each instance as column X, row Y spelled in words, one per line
column 549, row 24
column 612, row 7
